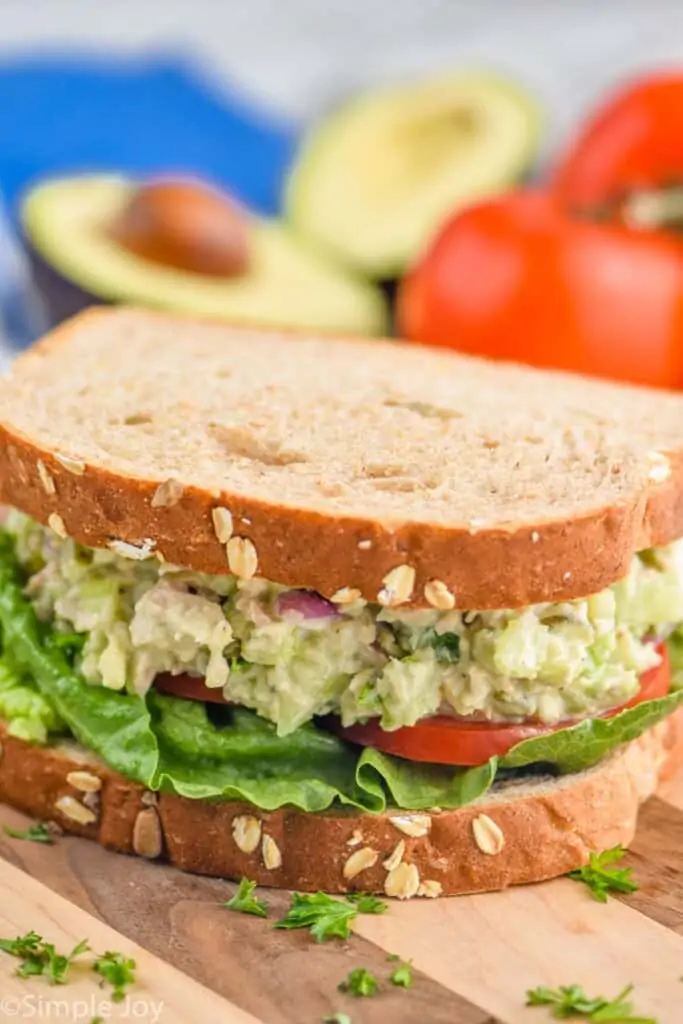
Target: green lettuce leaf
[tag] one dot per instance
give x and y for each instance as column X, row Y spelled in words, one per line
column 588, row 742
column 167, row 743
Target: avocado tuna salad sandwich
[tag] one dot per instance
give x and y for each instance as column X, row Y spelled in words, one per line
column 333, row 613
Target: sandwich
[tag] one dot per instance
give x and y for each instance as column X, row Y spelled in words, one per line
column 331, row 613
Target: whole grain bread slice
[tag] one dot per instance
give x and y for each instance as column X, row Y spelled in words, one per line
column 339, row 460
column 519, row 832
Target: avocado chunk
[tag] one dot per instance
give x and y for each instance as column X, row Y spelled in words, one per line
column 374, row 181
column 77, row 262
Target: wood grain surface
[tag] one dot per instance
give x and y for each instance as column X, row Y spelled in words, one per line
column 474, row 957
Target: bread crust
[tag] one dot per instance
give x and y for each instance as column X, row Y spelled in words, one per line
column 548, row 826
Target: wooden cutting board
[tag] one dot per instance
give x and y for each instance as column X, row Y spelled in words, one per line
column 474, row 956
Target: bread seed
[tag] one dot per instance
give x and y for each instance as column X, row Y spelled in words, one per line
column 430, row 889
column 167, row 494
column 364, row 545
column 660, row 468
column 45, row 478
column 403, row 882
column 359, row 861
column 222, row 524
column 439, row 596
column 414, row 825
column 147, row 837
column 136, row 554
column 487, row 835
column 346, row 595
column 396, row 856
column 272, row 857
column 86, row 782
column 75, row 466
column 535, row 536
column 242, row 557
column 356, row 838
column 56, row 524
column 398, row 586
column 75, row 811
column 246, row 831
column 148, row 799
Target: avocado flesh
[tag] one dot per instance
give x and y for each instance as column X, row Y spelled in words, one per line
column 288, row 284
column 374, row 182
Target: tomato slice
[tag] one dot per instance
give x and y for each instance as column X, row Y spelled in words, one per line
column 443, row 739
column 189, row 687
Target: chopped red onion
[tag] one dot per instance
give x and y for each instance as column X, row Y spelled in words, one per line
column 306, row 603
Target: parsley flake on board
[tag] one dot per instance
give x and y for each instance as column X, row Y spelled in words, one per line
column 359, row 982
column 118, row 971
column 39, row 957
column 37, row 833
column 245, row 902
column 402, row 976
column 570, row 1001
column 366, row 903
column 327, row 917
column 337, row 1018
column 601, row 877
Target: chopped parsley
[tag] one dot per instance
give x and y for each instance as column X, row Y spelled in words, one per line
column 39, row 957
column 327, row 917
column 37, row 833
column 601, row 877
column 118, row 971
column 337, row 1018
column 571, row 1001
column 446, row 646
column 245, row 902
column 402, row 976
column 359, row 982
column 366, row 903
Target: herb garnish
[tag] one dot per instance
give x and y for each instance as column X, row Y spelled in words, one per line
column 601, row 877
column 118, row 970
column 245, row 902
column 39, row 957
column 366, row 903
column 326, row 916
column 337, row 1018
column 359, row 982
column 571, row 1001
column 402, row 976
column 37, row 833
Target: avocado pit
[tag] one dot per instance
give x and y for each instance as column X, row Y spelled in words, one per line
column 186, row 225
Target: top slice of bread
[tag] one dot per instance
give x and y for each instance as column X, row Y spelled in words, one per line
column 340, row 459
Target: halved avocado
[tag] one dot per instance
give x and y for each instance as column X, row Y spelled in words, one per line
column 374, row 181
column 76, row 263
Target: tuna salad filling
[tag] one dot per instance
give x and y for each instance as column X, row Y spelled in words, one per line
column 290, row 655
column 213, row 687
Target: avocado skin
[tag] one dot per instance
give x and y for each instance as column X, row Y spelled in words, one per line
column 60, row 298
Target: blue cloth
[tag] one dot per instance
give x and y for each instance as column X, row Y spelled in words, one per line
column 73, row 113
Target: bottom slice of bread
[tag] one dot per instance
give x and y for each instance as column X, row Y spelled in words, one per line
column 525, row 830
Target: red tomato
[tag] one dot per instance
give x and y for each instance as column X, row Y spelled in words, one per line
column 518, row 278
column 634, row 140
column 190, row 687
column 446, row 740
